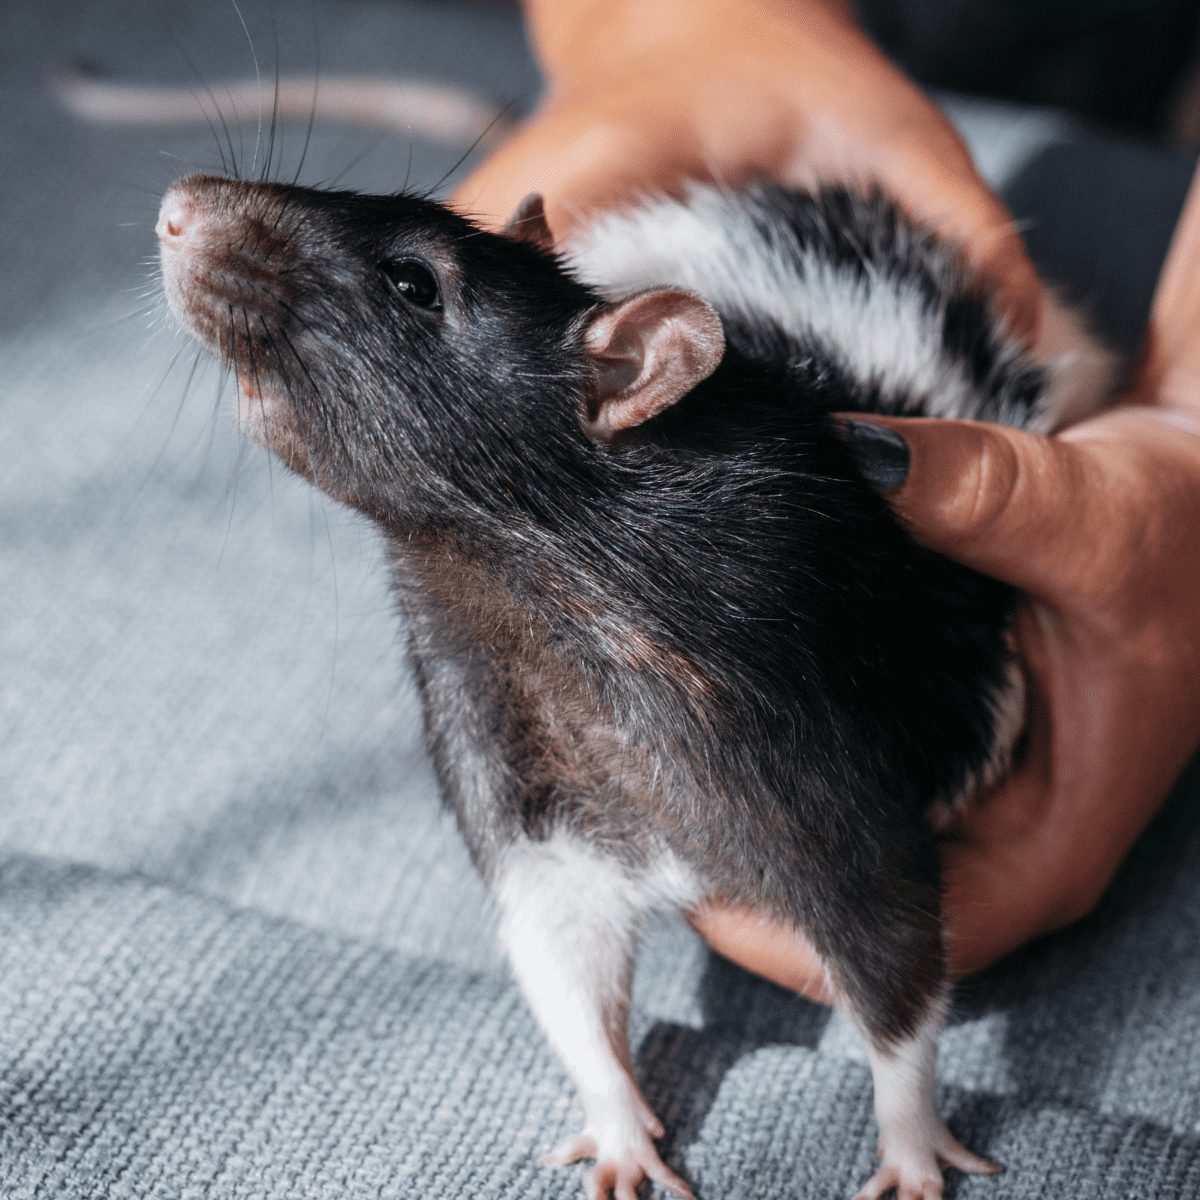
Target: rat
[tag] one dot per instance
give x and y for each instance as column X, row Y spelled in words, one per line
column 671, row 644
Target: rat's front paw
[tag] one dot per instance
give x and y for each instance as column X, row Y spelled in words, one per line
column 624, row 1157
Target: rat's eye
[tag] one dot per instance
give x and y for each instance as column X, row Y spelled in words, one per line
column 414, row 281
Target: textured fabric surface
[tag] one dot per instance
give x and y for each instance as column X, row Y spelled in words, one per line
column 242, row 952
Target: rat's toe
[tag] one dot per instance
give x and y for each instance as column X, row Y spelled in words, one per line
column 951, row 1154
column 909, row 1186
column 571, row 1150
column 620, row 1178
column 618, row 1171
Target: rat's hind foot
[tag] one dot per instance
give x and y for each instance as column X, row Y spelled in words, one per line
column 914, row 1142
column 624, row 1157
column 913, row 1166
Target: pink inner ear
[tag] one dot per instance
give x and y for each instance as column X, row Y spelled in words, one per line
column 649, row 352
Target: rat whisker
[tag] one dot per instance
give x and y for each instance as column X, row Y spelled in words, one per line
column 258, row 84
column 231, row 167
column 312, row 117
column 370, row 149
column 494, row 123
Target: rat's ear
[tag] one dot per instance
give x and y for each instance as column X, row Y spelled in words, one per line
column 648, row 352
column 528, row 223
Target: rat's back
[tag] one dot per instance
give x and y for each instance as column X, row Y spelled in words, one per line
column 849, row 279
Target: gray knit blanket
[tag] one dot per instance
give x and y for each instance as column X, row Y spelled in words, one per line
column 242, row 951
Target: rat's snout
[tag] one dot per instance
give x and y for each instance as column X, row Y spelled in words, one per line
column 215, row 246
column 176, row 217
column 220, row 253
column 190, row 207
column 184, row 211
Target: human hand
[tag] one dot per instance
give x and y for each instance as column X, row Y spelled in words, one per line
column 643, row 97
column 1100, row 526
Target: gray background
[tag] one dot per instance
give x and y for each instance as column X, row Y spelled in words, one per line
column 242, row 953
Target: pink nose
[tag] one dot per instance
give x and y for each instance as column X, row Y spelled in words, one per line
column 174, row 220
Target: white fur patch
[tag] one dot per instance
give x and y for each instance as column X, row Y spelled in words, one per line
column 569, row 920
column 883, row 331
column 1081, row 372
column 914, row 1142
column 910, row 1127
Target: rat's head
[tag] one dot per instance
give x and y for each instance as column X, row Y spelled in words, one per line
column 399, row 356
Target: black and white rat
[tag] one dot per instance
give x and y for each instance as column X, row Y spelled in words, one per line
column 671, row 645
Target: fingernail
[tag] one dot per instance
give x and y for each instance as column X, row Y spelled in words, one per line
column 881, row 455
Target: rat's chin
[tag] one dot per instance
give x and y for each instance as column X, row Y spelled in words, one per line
column 270, row 422
column 260, row 414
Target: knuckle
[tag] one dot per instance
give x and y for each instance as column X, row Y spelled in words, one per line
column 983, row 492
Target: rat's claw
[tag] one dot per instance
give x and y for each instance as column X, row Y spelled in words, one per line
column 950, row 1153
column 572, row 1150
column 661, row 1173
column 653, row 1126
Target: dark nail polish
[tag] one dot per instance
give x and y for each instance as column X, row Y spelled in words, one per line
column 881, row 455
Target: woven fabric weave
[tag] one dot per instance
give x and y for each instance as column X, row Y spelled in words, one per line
column 242, row 951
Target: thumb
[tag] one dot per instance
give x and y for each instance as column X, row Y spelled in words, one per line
column 1046, row 515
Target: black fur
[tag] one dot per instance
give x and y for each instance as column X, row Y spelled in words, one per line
column 717, row 604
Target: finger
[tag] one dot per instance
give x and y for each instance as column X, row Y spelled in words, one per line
column 1062, row 518
column 991, row 497
column 1170, row 372
column 774, row 951
column 576, row 164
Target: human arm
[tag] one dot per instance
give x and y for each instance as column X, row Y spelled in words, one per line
column 642, row 97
